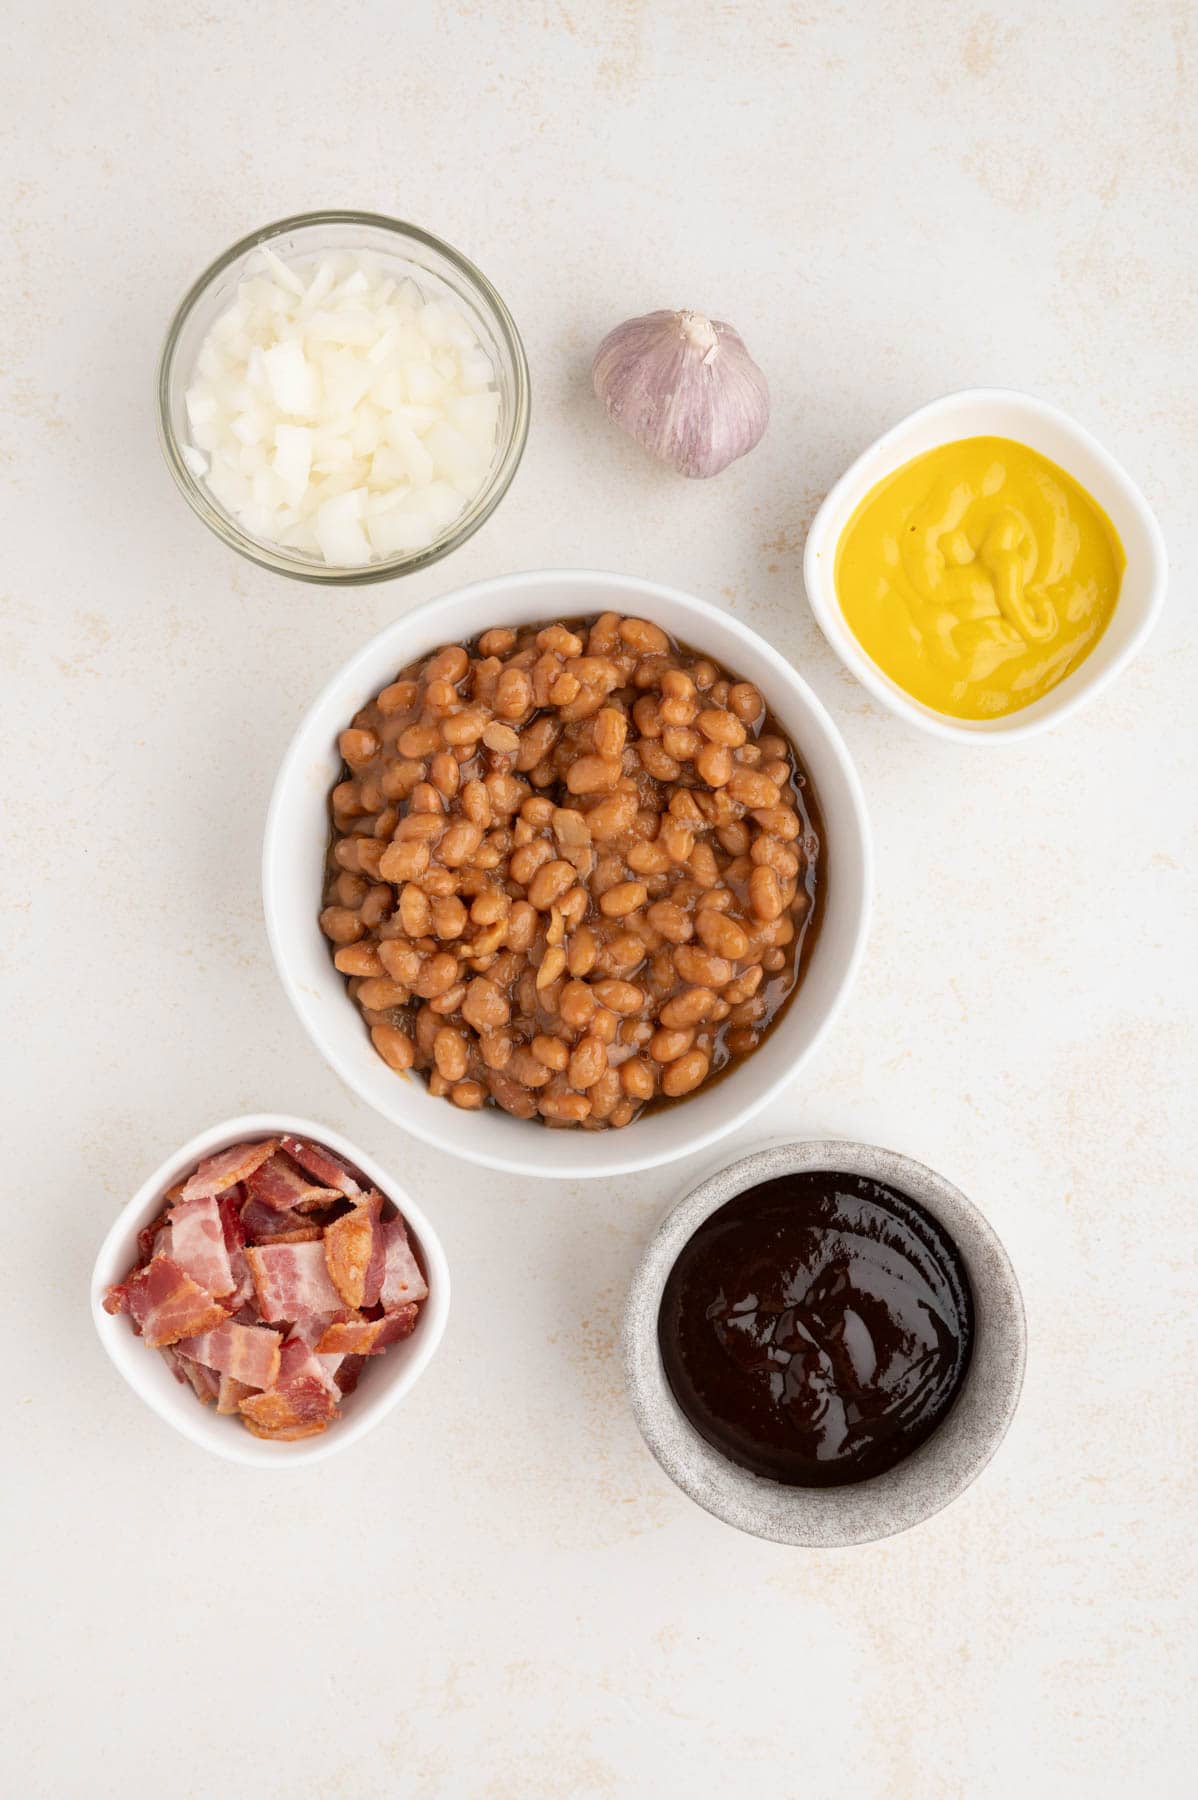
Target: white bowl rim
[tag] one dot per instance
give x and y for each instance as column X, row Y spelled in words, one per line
column 242, row 1447
column 820, row 588
column 643, row 589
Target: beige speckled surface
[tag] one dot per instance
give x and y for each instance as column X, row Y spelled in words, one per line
column 501, row 1594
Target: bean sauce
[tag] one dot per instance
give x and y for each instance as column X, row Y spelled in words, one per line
column 575, row 870
column 817, row 1329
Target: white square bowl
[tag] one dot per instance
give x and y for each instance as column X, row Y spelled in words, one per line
column 385, row 1379
column 996, row 412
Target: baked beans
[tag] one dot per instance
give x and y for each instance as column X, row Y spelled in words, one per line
column 575, row 870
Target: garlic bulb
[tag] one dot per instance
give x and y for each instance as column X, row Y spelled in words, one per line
column 685, row 387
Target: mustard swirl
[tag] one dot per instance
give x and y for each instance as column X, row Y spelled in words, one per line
column 978, row 576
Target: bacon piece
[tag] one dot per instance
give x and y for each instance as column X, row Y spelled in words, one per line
column 354, row 1261
column 249, row 1353
column 396, row 1325
column 367, row 1337
column 116, row 1298
column 299, row 1362
column 166, row 1304
column 283, row 1434
column 198, row 1245
column 347, row 1375
column 243, row 1282
column 231, row 1203
column 376, row 1268
column 262, row 1225
column 324, row 1165
column 402, row 1278
column 349, row 1336
column 205, row 1383
column 292, row 1280
column 311, row 1330
column 232, row 1393
column 280, row 1185
column 216, row 1173
column 147, row 1236
column 302, row 1401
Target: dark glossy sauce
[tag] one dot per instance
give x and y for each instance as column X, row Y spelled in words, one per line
column 817, row 1328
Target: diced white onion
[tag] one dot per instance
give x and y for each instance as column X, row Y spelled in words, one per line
column 339, row 529
column 293, row 459
column 340, row 413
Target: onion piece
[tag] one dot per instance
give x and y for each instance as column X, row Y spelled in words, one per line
column 339, row 412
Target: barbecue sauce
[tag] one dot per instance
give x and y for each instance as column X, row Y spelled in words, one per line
column 817, row 1328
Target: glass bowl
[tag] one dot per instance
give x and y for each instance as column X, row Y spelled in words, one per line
column 406, row 250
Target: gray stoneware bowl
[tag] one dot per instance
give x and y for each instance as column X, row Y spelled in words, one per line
column 938, row 1471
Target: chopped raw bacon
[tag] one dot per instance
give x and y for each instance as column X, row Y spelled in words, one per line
column 298, row 1361
column 280, row 1433
column 216, row 1173
column 352, row 1336
column 402, row 1277
column 243, row 1288
column 231, row 1203
column 166, row 1304
column 347, row 1375
column 355, row 1253
column 291, row 1280
column 147, row 1236
column 261, row 1222
column 279, row 1234
column 205, row 1383
column 303, row 1400
column 311, row 1330
column 376, row 1268
column 232, row 1393
column 396, row 1325
column 250, row 1353
column 280, row 1185
column 262, row 1225
column 324, row 1165
column 367, row 1337
column 198, row 1244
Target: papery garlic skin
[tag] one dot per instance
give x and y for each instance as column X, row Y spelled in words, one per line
column 684, row 387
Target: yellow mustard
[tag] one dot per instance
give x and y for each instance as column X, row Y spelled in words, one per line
column 978, row 575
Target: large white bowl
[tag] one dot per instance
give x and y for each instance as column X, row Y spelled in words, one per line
column 297, row 830
column 385, row 1379
column 996, row 412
